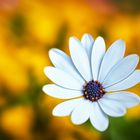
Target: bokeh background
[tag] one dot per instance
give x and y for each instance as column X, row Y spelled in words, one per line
column 28, row 29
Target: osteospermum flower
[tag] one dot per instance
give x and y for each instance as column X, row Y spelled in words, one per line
column 93, row 79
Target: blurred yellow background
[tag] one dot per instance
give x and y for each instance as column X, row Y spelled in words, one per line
column 28, row 29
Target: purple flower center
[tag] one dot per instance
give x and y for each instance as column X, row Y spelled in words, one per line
column 93, row 90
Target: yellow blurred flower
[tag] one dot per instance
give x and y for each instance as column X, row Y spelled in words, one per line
column 43, row 22
column 12, row 73
column 124, row 27
column 17, row 121
column 33, row 60
column 135, row 112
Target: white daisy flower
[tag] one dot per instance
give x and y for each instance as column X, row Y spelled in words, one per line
column 93, row 79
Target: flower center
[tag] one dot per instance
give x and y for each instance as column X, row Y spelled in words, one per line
column 93, row 90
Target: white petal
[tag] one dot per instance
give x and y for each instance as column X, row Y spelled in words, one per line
column 87, row 42
column 113, row 55
column 61, row 93
column 80, row 58
column 98, row 118
column 98, row 52
column 65, row 108
column 121, row 70
column 81, row 113
column 57, row 56
column 62, row 78
column 63, row 61
column 127, row 98
column 112, row 107
column 129, row 82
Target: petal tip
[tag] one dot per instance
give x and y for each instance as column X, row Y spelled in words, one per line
column 100, row 37
column 136, row 58
column 55, row 112
column 103, row 129
column 99, row 41
column 52, row 50
column 86, row 35
column 73, row 41
column 44, row 89
column 50, row 53
column 76, row 122
column 72, row 38
column 47, row 70
column 135, row 55
column 122, row 43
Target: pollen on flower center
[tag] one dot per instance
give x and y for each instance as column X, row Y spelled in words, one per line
column 93, row 90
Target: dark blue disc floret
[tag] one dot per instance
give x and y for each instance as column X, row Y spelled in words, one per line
column 93, row 90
